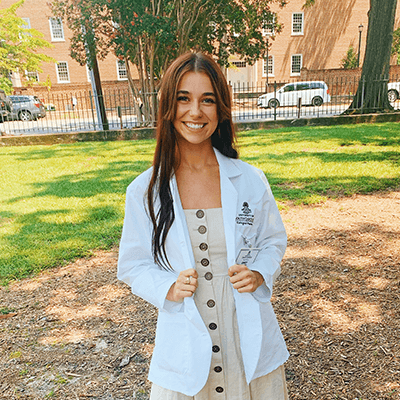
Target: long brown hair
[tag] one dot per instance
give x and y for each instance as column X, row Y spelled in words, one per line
column 223, row 139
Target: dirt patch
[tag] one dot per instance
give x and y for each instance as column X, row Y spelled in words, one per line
column 77, row 333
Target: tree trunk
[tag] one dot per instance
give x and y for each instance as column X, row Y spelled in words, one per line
column 372, row 90
column 136, row 95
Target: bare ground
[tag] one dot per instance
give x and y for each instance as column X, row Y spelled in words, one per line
column 77, row 333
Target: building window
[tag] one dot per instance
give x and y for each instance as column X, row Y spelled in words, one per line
column 122, row 72
column 27, row 23
column 296, row 64
column 269, row 27
column 268, row 67
column 297, row 24
column 32, row 76
column 56, row 29
column 62, row 72
column 239, row 64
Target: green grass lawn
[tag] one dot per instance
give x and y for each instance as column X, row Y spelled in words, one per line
column 61, row 202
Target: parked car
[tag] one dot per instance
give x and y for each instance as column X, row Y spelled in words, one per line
column 393, row 91
column 311, row 93
column 5, row 106
column 27, row 108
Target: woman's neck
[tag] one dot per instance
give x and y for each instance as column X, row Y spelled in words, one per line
column 196, row 157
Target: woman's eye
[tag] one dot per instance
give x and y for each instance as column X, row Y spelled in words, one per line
column 183, row 98
column 209, row 100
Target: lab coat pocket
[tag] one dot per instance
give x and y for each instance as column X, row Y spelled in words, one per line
column 171, row 343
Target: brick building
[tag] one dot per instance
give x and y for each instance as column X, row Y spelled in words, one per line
column 66, row 74
column 316, row 38
column 313, row 39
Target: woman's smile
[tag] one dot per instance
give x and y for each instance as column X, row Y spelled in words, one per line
column 194, row 126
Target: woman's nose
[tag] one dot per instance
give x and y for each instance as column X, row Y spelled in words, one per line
column 195, row 110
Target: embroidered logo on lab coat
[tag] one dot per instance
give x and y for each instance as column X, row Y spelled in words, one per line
column 246, row 217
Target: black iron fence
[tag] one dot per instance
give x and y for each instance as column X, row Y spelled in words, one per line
column 79, row 111
column 307, row 99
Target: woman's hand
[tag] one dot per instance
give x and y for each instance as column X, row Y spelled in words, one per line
column 243, row 279
column 185, row 285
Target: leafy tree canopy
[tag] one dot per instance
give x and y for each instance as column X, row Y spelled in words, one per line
column 19, row 46
column 151, row 33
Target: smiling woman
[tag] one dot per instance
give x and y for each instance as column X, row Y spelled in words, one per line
column 196, row 116
column 205, row 248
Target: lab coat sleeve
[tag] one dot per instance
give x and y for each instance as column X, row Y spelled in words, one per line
column 272, row 240
column 136, row 266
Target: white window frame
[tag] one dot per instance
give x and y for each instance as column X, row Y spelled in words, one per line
column 239, row 64
column 294, row 23
column 52, row 30
column 264, row 66
column 271, row 30
column 121, row 63
column 58, row 72
column 27, row 24
column 35, row 74
column 291, row 64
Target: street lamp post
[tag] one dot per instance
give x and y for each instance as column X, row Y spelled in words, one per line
column 360, row 29
column 267, row 69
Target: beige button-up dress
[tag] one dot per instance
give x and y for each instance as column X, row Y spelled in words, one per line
column 215, row 302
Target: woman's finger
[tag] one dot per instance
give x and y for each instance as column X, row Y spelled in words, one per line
column 237, row 268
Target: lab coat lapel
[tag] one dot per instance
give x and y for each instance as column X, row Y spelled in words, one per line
column 190, row 309
column 228, row 170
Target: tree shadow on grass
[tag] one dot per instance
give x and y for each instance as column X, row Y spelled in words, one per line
column 363, row 134
column 337, row 174
column 73, row 225
column 337, row 301
column 42, row 241
column 87, row 149
column 113, row 178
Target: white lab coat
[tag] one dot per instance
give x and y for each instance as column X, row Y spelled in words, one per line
column 182, row 354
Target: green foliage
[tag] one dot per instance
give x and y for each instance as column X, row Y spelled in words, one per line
column 73, row 203
column 350, row 61
column 308, row 3
column 396, row 45
column 6, row 85
column 19, row 46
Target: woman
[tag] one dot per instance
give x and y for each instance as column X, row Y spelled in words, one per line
column 203, row 241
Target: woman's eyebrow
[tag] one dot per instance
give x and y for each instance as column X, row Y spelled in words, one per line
column 204, row 94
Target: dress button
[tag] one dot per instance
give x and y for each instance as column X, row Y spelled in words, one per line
column 202, row 229
column 200, row 214
column 212, row 326
column 219, row 389
column 215, row 349
column 203, row 246
column 218, row 369
column 205, row 262
column 211, row 303
column 208, row 276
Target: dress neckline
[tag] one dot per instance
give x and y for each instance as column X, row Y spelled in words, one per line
column 204, row 209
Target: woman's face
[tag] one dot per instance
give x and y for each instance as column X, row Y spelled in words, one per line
column 196, row 116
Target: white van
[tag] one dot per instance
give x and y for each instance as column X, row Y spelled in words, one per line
column 311, row 93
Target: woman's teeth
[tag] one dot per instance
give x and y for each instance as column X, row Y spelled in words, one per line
column 194, row 126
